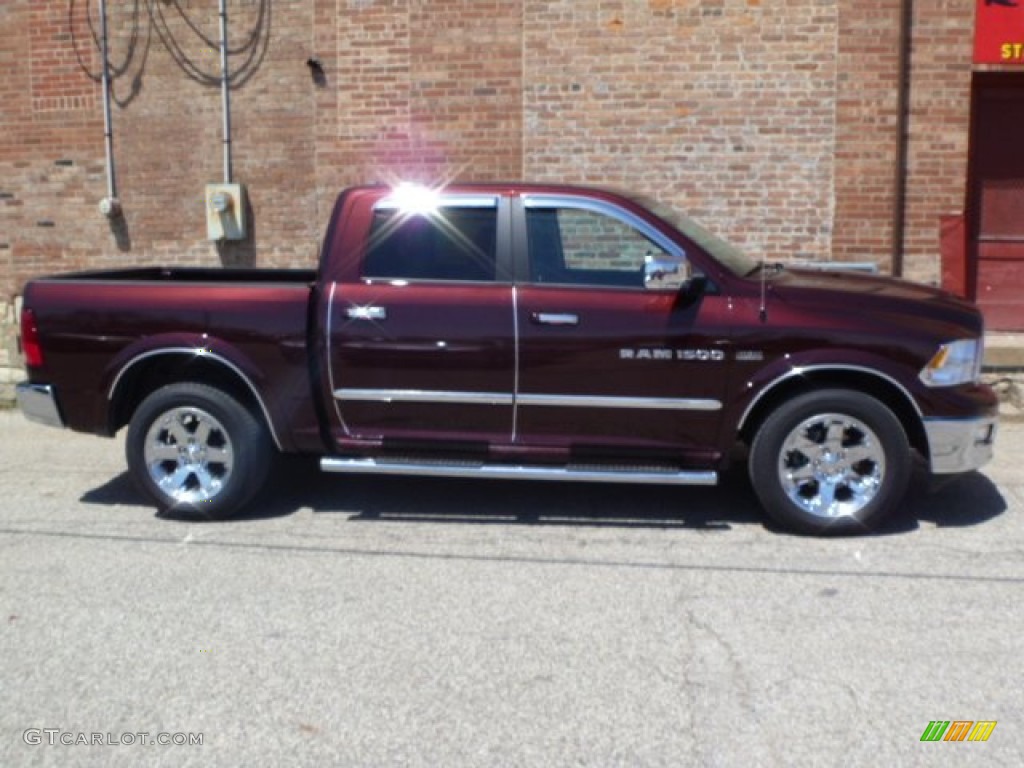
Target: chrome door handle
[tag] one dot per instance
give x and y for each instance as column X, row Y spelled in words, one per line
column 555, row 318
column 366, row 313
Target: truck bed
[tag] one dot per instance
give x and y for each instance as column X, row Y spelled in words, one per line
column 189, row 275
column 104, row 329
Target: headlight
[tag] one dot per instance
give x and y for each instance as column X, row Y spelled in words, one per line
column 958, row 362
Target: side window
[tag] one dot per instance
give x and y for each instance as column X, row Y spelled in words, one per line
column 577, row 246
column 450, row 243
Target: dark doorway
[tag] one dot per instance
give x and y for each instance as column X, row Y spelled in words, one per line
column 996, row 199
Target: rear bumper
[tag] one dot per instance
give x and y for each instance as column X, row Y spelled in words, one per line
column 960, row 445
column 38, row 402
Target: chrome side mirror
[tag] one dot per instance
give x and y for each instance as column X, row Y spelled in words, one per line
column 665, row 272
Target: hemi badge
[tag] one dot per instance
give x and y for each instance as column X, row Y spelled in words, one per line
column 749, row 355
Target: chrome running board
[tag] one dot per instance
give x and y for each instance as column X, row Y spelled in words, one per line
column 467, row 469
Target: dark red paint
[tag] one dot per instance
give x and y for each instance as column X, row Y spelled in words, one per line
column 271, row 327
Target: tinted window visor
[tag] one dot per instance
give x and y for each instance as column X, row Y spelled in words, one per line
column 452, row 238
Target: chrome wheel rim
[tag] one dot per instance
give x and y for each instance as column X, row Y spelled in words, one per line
column 831, row 465
column 189, row 455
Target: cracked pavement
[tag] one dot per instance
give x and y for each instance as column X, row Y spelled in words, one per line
column 383, row 621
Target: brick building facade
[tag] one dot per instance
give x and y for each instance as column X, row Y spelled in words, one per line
column 774, row 122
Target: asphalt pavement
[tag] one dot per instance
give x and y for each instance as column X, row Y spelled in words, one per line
column 380, row 621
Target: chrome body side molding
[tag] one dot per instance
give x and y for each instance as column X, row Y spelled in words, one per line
column 423, row 396
column 499, row 398
column 643, row 403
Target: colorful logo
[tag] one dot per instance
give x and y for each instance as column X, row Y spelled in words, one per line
column 958, row 730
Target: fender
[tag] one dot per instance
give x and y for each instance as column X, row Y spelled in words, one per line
column 199, row 345
column 789, row 367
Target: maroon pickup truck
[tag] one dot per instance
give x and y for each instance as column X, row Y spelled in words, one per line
column 517, row 331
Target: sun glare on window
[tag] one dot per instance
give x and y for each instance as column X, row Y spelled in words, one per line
column 415, row 199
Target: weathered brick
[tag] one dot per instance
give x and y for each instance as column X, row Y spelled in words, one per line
column 774, row 123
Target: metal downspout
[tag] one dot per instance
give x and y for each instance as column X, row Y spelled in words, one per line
column 109, row 206
column 225, row 89
column 899, row 212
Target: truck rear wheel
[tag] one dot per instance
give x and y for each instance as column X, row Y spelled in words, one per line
column 193, row 448
column 830, row 462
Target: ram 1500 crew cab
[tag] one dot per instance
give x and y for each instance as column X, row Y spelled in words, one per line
column 524, row 331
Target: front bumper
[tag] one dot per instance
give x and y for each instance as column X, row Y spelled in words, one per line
column 38, row 402
column 960, row 445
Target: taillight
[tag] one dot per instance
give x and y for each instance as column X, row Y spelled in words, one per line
column 30, row 346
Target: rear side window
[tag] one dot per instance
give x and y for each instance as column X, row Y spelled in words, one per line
column 451, row 243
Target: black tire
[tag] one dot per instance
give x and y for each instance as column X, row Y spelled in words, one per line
column 830, row 462
column 194, row 449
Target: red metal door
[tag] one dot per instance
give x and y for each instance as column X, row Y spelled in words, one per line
column 998, row 201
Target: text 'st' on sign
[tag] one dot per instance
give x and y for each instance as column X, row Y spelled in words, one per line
column 999, row 32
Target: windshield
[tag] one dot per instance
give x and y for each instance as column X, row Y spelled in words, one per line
column 731, row 257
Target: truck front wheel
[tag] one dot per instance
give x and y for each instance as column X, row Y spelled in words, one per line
column 830, row 462
column 193, row 448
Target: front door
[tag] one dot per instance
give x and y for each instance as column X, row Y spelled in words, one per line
column 422, row 347
column 609, row 368
column 997, row 200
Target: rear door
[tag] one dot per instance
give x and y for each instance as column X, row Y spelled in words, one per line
column 421, row 346
column 609, row 367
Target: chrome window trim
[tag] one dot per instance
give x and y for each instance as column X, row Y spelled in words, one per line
column 608, row 209
column 392, row 203
column 199, row 352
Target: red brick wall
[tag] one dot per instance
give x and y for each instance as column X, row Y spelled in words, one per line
column 428, row 91
column 723, row 108
column 773, row 122
column 866, row 130
column 939, row 128
column 48, row 117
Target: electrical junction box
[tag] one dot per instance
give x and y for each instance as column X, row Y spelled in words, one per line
column 225, row 212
